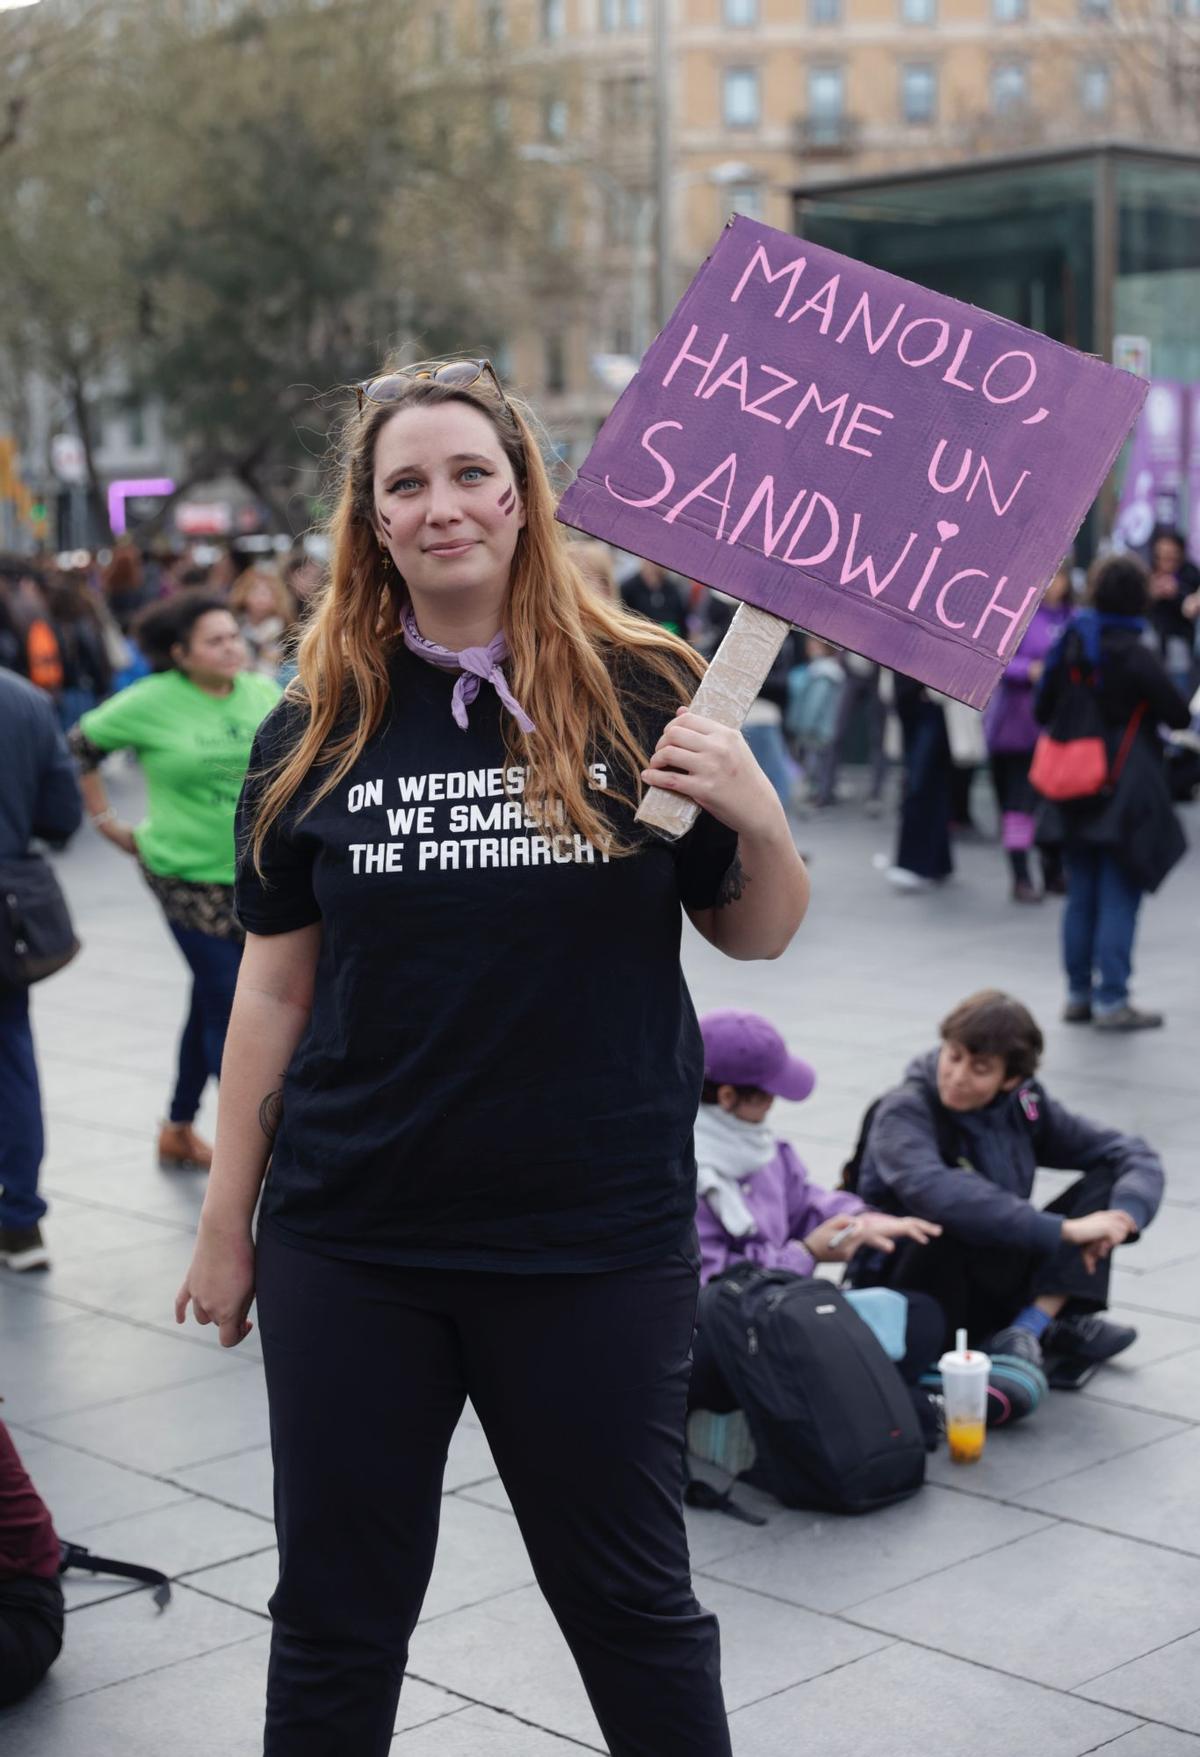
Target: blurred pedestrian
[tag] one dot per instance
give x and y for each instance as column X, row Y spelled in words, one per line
column 492, row 1181
column 265, row 614
column 595, row 563
column 1174, row 583
column 31, row 1599
column 190, row 725
column 1012, row 731
column 87, row 670
column 1122, row 841
column 859, row 699
column 302, row 575
column 39, row 796
column 815, row 692
column 652, row 591
column 923, row 853
column 125, row 583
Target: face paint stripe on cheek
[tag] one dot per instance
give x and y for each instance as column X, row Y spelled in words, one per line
column 384, row 520
column 508, row 499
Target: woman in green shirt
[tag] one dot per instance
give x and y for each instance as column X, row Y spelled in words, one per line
column 191, row 725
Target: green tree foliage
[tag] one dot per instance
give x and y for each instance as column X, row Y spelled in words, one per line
column 237, row 210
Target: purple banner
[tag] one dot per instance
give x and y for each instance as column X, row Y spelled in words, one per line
column 1152, row 491
column 885, row 467
column 1193, row 474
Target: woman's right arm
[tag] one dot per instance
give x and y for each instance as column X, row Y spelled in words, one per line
column 270, row 1010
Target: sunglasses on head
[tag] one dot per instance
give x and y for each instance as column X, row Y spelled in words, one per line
column 460, row 374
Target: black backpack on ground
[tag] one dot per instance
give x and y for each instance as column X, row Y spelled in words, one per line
column 832, row 1420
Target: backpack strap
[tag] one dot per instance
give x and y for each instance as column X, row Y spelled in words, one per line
column 1126, row 744
column 77, row 1555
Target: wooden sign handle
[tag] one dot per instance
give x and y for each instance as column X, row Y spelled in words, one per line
column 727, row 691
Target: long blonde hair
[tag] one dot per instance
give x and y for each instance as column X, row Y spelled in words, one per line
column 564, row 642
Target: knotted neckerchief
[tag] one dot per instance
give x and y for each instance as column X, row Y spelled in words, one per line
column 476, row 664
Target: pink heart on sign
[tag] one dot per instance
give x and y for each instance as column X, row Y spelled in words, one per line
column 946, row 529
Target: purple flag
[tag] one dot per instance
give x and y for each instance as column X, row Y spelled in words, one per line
column 883, row 466
column 1152, row 490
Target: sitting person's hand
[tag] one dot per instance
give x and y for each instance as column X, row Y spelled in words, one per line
column 836, row 1240
column 1098, row 1234
column 880, row 1230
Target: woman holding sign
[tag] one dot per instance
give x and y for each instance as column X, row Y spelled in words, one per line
column 463, row 1041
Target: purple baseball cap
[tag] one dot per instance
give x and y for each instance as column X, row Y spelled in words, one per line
column 744, row 1049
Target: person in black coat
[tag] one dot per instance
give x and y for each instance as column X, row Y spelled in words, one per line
column 1123, row 841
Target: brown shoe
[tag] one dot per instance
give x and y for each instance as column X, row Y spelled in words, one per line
column 180, row 1148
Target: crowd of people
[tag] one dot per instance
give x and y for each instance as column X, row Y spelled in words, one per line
column 354, row 775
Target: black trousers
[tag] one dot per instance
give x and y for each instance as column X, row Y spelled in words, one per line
column 982, row 1287
column 31, row 1634
column 580, row 1383
column 924, row 842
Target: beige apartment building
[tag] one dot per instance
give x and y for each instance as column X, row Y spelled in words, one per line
column 763, row 96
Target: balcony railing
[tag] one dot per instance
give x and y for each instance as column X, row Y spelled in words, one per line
column 818, row 136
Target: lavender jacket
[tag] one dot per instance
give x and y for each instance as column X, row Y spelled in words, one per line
column 786, row 1208
column 1008, row 721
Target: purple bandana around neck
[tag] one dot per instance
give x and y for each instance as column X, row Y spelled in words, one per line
column 476, row 664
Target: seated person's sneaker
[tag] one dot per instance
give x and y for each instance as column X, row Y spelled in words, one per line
column 23, row 1247
column 723, row 1440
column 1087, row 1336
column 1016, row 1385
column 1016, row 1340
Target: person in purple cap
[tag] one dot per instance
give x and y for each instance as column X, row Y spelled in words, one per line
column 756, row 1203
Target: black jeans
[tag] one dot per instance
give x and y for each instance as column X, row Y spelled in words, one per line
column 580, row 1382
column 924, row 842
column 982, row 1287
column 31, row 1632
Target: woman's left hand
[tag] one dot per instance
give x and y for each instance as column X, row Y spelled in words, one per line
column 713, row 765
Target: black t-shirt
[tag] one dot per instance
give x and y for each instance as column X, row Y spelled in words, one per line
column 502, row 1065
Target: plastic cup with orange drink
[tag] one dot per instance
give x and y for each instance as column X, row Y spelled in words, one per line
column 964, row 1395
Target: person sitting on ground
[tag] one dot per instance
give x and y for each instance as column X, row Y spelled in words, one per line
column 756, row 1203
column 1023, row 1281
column 31, row 1600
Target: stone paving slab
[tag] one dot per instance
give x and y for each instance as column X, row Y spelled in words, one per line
column 1164, row 1684
column 1059, row 1607
column 908, row 1702
column 1113, row 1496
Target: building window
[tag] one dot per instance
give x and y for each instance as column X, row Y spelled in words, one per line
column 495, row 23
column 739, row 97
column 554, row 20
column 618, row 15
column 554, row 119
column 1010, row 11
column 1096, row 8
column 742, row 198
column 439, row 26
column 918, row 92
column 918, row 11
column 555, row 364
column 558, row 222
column 739, row 14
column 824, row 11
column 826, row 106
column 1010, row 87
column 1095, row 88
column 500, row 116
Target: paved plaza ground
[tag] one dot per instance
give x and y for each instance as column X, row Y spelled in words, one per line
column 1044, row 1603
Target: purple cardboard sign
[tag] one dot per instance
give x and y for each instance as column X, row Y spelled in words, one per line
column 883, row 466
